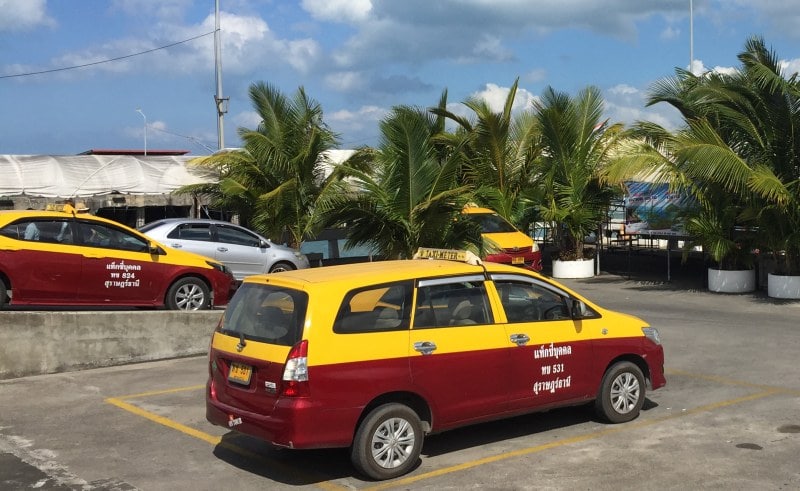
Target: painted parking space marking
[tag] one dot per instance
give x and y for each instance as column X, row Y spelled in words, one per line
column 764, row 391
column 121, row 403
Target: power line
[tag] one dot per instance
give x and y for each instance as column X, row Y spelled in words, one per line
column 105, row 61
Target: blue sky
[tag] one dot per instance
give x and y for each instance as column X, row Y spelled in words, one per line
column 358, row 58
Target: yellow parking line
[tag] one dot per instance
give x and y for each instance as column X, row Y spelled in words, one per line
column 201, row 435
column 566, row 441
column 768, row 391
column 214, row 440
column 160, row 392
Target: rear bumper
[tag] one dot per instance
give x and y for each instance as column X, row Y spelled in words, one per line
column 291, row 423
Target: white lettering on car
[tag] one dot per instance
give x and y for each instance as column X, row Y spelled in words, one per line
column 121, row 275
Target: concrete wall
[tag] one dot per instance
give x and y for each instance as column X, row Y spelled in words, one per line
column 33, row 343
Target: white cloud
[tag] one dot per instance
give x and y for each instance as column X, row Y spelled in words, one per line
column 534, row 76
column 790, row 67
column 21, row 15
column 495, row 96
column 338, row 10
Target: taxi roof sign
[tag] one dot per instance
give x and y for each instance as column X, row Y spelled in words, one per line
column 448, row 254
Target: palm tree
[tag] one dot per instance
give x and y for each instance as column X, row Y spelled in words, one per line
column 499, row 152
column 275, row 180
column 742, row 138
column 410, row 198
column 576, row 146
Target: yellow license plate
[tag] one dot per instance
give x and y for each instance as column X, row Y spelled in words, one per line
column 240, row 373
column 517, row 260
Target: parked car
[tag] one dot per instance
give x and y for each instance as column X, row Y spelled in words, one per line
column 69, row 258
column 373, row 356
column 503, row 242
column 242, row 250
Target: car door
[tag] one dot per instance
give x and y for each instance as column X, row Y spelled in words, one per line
column 118, row 268
column 241, row 250
column 42, row 264
column 193, row 237
column 458, row 354
column 552, row 354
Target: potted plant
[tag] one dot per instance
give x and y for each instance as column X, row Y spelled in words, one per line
column 576, row 145
column 718, row 228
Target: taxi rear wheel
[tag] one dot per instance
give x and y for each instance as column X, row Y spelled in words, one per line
column 388, row 442
column 188, row 294
column 622, row 393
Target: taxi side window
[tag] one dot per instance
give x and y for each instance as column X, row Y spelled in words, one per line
column 531, row 302
column 452, row 304
column 375, row 309
column 101, row 235
column 55, row 231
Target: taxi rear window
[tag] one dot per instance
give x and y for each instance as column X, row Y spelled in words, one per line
column 267, row 314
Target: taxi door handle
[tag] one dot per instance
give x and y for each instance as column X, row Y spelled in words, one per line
column 222, row 249
column 176, row 246
column 520, row 339
column 425, row 347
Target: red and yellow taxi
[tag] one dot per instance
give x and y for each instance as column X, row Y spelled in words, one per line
column 502, row 241
column 66, row 258
column 374, row 356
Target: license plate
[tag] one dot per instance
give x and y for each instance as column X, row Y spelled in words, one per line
column 240, row 373
column 517, row 260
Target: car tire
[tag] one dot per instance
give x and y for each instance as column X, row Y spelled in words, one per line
column 3, row 294
column 188, row 293
column 388, row 442
column 622, row 393
column 281, row 266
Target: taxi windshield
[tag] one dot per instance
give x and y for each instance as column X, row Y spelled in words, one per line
column 491, row 223
column 266, row 314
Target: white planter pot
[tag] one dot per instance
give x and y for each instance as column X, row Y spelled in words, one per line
column 573, row 269
column 724, row 281
column 779, row 286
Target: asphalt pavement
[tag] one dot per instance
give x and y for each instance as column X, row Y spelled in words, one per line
column 729, row 418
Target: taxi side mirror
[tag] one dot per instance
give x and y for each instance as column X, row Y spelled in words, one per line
column 155, row 249
column 576, row 308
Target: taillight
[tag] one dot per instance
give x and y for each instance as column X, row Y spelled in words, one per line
column 295, row 372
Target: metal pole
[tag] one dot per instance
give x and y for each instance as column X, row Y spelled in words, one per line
column 220, row 102
column 691, row 36
column 145, row 130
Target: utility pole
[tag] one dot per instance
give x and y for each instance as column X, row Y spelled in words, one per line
column 691, row 36
column 220, row 102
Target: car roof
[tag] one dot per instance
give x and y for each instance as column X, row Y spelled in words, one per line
column 8, row 216
column 377, row 272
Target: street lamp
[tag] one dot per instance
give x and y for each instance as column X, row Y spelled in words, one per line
column 145, row 130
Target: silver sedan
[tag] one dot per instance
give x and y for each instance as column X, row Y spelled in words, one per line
column 242, row 250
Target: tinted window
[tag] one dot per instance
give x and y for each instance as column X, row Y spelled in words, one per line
column 266, row 313
column 192, row 231
column 491, row 223
column 531, row 302
column 452, row 304
column 94, row 234
column 49, row 230
column 378, row 308
column 230, row 235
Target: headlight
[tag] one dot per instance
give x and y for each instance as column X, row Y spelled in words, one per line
column 651, row 333
column 219, row 267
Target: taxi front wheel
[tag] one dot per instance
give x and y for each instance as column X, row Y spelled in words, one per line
column 188, row 294
column 621, row 393
column 388, row 442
